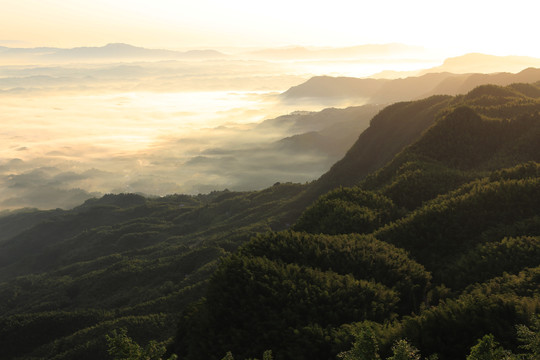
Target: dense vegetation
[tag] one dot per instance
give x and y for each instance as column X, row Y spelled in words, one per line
column 450, row 225
column 122, row 261
column 428, row 230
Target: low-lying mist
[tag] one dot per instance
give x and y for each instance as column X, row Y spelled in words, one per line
column 77, row 130
column 64, row 144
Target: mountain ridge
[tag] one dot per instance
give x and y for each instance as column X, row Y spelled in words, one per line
column 108, row 51
column 358, row 51
column 471, row 176
column 410, row 88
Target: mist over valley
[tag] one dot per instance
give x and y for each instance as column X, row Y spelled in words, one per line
column 86, row 121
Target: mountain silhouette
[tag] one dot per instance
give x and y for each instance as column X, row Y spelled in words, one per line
column 388, row 91
column 109, row 51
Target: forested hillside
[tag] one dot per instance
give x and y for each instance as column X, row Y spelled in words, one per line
column 427, row 230
column 439, row 247
column 122, row 261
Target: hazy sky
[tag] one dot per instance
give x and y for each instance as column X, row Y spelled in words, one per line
column 490, row 26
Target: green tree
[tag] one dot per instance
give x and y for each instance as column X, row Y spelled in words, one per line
column 488, row 349
column 530, row 338
column 228, row 356
column 122, row 347
column 402, row 350
column 365, row 347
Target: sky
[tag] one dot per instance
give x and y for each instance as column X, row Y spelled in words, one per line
column 457, row 27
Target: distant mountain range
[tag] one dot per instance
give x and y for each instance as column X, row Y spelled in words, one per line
column 391, row 90
column 109, row 51
column 469, row 63
column 368, row 50
column 483, row 63
column 126, row 51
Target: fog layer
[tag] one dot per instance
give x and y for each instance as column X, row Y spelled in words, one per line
column 76, row 130
column 78, row 123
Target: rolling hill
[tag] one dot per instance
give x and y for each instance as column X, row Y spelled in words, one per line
column 427, row 230
column 463, row 189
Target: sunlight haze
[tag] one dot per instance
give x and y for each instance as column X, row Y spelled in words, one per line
column 161, row 97
column 275, row 180
column 496, row 27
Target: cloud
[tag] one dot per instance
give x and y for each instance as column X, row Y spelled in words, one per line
column 45, row 187
column 80, row 130
column 46, row 198
column 237, row 157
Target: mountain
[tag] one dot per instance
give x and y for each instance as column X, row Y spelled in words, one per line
column 116, row 51
column 304, row 121
column 463, row 189
column 13, row 222
column 330, row 131
column 390, row 131
column 401, row 124
column 360, row 51
column 482, row 63
column 468, row 64
column 392, row 90
column 121, row 51
column 119, row 261
column 434, row 239
column 327, row 86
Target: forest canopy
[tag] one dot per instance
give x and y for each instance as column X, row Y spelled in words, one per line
column 423, row 241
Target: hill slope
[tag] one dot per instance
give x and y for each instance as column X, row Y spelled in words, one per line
column 444, row 180
column 448, row 199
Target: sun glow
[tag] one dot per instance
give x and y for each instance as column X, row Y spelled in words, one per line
column 97, row 118
column 461, row 26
